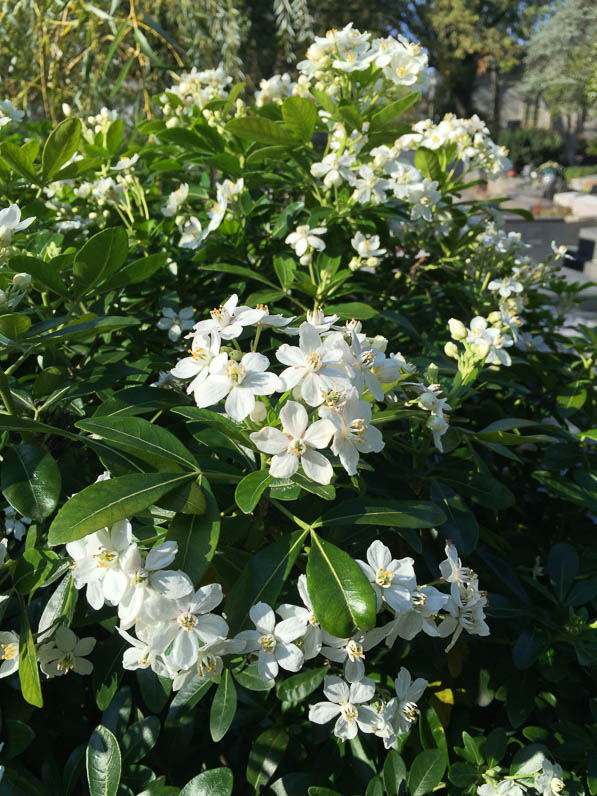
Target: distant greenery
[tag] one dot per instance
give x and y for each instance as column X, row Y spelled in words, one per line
column 531, row 145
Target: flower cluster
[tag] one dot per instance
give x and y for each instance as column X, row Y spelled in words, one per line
column 195, row 89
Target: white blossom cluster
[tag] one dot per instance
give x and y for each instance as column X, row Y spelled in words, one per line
column 195, row 89
column 340, row 52
column 192, row 232
column 323, row 381
column 547, row 781
column 275, row 89
column 178, row 635
column 8, row 113
column 471, row 137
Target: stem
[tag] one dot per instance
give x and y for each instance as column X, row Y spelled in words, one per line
column 6, row 394
column 290, row 515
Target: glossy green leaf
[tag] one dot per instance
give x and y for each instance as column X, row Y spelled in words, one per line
column 426, row 771
column 99, row 258
column 136, row 272
column 223, row 707
column 103, row 763
column 353, row 309
column 59, row 609
column 216, row 782
column 262, row 578
column 428, row 164
column 395, row 514
column 28, row 670
column 299, row 686
column 250, row 489
column 33, row 568
column 106, row 502
column 154, row 690
column 394, row 772
column 43, row 273
column 250, row 679
column 146, row 440
column 139, row 739
column 300, row 116
column 13, row 325
column 61, row 145
column 30, row 480
column 341, row 594
column 563, row 564
column 197, row 537
column 188, row 697
column 18, row 159
column 389, row 113
column 262, row 130
column 266, row 755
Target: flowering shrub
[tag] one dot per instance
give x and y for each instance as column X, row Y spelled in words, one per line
column 274, row 392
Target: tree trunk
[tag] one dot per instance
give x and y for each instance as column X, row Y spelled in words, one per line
column 497, row 100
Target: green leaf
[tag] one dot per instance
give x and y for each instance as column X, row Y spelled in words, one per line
column 353, row 309
column 528, row 761
column 19, row 160
column 250, row 679
column 265, row 131
column 33, row 568
column 223, row 707
column 592, row 774
column 325, row 491
column 106, row 502
column 188, row 697
column 137, row 271
column 107, row 669
column 428, row 164
column 571, row 398
column 197, row 537
column 562, row 565
column 13, row 325
column 114, row 135
column 299, row 686
column 228, row 427
column 326, row 102
column 426, row 771
column 28, row 671
column 154, row 690
column 263, row 577
column 139, row 739
column 394, row 772
column 341, row 594
column 144, row 439
column 103, row 763
column 265, row 757
column 463, row 775
column 59, row 608
column 216, row 782
column 395, row 514
column 250, row 489
column 389, row 113
column 102, row 255
column 431, row 731
column 42, row 272
column 116, row 716
column 30, row 480
column 300, row 116
column 78, row 168
column 529, row 645
column 61, row 145
column 461, row 525
column 238, row 270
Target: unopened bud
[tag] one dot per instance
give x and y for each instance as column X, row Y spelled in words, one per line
column 235, row 355
column 494, row 317
column 259, row 413
column 451, row 350
column 457, row 329
column 21, row 281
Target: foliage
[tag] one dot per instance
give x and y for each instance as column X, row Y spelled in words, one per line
column 385, row 384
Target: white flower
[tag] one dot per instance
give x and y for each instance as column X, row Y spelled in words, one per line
column 15, row 524
column 8, row 113
column 321, row 322
column 273, row 641
column 9, row 652
column 146, row 577
column 426, row 603
column 438, row 425
column 204, row 350
column 315, row 366
column 423, row 196
column 549, row 782
column 407, row 696
column 369, row 367
column 346, row 703
column 504, row 788
column 457, row 329
column 392, row 580
column 229, row 319
column 311, row 636
column 370, row 187
column 97, row 563
column 126, row 163
column 505, row 287
column 465, row 608
column 451, row 569
column 351, row 651
column 209, row 661
column 275, row 321
column 65, row 653
column 276, row 89
column 192, row 234
column 296, row 442
column 304, row 237
column 529, row 342
column 10, row 222
column 334, row 169
column 142, row 654
column 187, row 624
column 176, row 322
column 353, row 432
column 367, row 245
column 560, row 252
column 239, row 381
column 175, row 200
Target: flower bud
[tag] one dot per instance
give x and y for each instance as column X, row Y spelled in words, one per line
column 494, row 317
column 457, row 329
column 451, row 350
column 379, row 342
column 259, row 413
column 355, row 264
column 21, row 281
column 235, row 355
